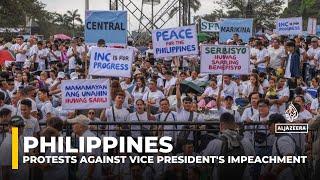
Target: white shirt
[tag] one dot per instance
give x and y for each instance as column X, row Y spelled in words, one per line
column 72, row 59
column 248, row 113
column 287, row 73
column 231, row 89
column 136, row 117
column 282, row 93
column 305, row 114
column 249, row 89
column 19, row 56
column 264, row 129
column 31, row 126
column 120, row 115
column 313, row 53
column 209, row 91
column 138, row 94
column 275, row 56
column 52, row 57
column 261, row 55
column 156, row 96
column 315, row 104
column 46, row 108
column 171, row 117
column 39, row 59
column 170, row 83
column 183, row 116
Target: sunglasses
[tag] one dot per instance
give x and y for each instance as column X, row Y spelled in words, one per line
column 91, row 113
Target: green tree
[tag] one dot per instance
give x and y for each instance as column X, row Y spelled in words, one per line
column 194, row 5
column 74, row 17
column 304, row 9
column 263, row 12
column 13, row 13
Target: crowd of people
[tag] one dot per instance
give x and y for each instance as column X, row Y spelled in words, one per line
column 284, row 72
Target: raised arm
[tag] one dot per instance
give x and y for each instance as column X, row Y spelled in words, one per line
column 178, row 93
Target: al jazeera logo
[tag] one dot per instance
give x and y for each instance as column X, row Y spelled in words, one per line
column 291, row 115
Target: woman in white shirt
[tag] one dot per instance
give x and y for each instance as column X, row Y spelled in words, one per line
column 139, row 89
column 54, row 54
column 208, row 98
column 253, row 85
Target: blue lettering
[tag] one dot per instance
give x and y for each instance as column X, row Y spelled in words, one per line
column 102, row 56
column 189, row 33
column 174, row 35
column 165, row 35
column 158, row 35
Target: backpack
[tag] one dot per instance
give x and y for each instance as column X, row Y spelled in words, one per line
column 227, row 171
column 300, row 171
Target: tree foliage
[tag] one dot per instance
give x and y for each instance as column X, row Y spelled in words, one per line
column 264, row 12
column 304, row 9
column 13, row 14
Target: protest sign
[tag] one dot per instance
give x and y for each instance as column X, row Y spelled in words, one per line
column 113, row 62
column 206, row 26
column 175, row 41
column 108, row 25
column 224, row 59
column 289, row 26
column 85, row 94
column 312, row 26
column 228, row 27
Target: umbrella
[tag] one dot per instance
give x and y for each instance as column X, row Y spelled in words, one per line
column 62, row 37
column 5, row 55
column 187, row 87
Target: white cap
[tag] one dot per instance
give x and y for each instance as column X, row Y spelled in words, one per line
column 61, row 75
column 81, row 119
column 74, row 76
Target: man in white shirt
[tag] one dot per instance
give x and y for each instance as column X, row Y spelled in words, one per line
column 41, row 57
column 279, row 105
column 166, row 115
column 6, row 152
column 185, row 114
column 169, row 84
column 313, row 52
column 80, row 126
column 230, row 88
column 277, row 55
column 153, row 96
column 20, row 50
column 263, row 57
column 46, row 107
column 32, row 127
column 74, row 52
column 193, row 78
column 116, row 113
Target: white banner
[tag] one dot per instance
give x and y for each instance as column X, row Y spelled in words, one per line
column 85, row 94
column 207, row 26
column 113, row 62
column 289, row 26
column 312, row 26
column 224, row 59
column 175, row 41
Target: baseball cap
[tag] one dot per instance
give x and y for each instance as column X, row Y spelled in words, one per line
column 74, row 76
column 81, row 119
column 61, row 75
column 16, row 121
column 314, row 39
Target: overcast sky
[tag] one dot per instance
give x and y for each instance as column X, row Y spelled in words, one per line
column 61, row 6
